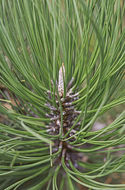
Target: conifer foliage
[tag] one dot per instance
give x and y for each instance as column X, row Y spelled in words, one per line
column 62, row 63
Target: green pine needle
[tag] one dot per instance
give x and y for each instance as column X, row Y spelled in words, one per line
column 62, row 66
